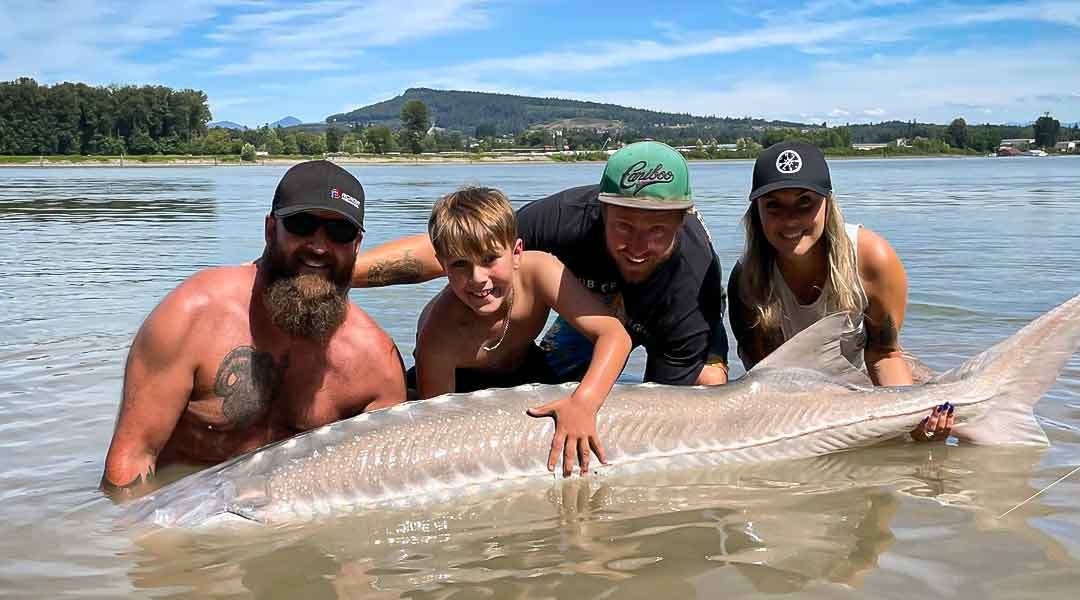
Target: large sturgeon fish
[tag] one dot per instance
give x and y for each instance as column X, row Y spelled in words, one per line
column 803, row 400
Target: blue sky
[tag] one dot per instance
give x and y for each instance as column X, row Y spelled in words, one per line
column 820, row 60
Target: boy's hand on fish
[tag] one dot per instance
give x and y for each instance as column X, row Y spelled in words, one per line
column 575, row 434
column 936, row 426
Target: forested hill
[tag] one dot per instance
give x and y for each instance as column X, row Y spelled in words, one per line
column 509, row 114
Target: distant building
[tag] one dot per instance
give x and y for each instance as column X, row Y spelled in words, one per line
column 1067, row 147
column 1016, row 143
column 903, row 143
column 868, row 147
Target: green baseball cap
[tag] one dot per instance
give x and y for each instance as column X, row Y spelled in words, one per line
column 649, row 175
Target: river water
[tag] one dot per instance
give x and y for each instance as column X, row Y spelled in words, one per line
column 988, row 245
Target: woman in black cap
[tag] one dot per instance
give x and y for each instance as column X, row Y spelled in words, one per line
column 803, row 262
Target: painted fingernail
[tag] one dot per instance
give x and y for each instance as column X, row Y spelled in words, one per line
column 951, row 408
column 924, row 420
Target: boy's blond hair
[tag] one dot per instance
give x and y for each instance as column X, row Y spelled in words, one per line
column 472, row 222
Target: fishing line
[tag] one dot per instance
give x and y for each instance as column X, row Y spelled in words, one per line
column 1063, row 477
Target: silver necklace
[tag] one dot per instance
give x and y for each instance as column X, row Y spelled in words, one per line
column 506, row 324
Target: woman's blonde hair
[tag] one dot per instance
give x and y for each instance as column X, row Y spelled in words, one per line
column 843, row 293
column 472, row 222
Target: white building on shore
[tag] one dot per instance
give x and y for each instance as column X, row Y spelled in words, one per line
column 1016, row 143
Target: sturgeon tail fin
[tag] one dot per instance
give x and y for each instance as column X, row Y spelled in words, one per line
column 1016, row 374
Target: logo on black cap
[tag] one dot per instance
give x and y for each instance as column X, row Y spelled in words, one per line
column 789, row 162
column 320, row 185
column 788, row 165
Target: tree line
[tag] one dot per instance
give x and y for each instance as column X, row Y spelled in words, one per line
column 75, row 118
column 958, row 134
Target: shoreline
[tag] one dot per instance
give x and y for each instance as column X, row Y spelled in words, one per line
column 433, row 159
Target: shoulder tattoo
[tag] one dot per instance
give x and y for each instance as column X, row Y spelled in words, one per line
column 883, row 336
column 247, row 382
column 390, row 271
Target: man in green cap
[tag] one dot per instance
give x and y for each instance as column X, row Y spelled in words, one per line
column 634, row 240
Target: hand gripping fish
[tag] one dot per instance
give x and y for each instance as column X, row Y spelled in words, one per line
column 804, row 400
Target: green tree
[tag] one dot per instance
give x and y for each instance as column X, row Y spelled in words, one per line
column 485, row 130
column 216, row 142
column 290, row 145
column 142, row 143
column 957, row 133
column 311, row 143
column 747, row 148
column 113, row 146
column 274, row 145
column 247, row 153
column 379, row 139
column 414, row 125
column 350, row 144
column 333, row 139
column 1046, row 131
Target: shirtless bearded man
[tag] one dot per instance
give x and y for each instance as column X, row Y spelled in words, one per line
column 237, row 357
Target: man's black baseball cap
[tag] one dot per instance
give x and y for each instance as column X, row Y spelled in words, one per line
column 791, row 165
column 320, row 185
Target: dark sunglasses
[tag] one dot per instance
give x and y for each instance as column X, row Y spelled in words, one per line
column 339, row 231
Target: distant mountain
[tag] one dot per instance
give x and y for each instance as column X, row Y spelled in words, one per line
column 464, row 111
column 289, row 121
column 226, row 125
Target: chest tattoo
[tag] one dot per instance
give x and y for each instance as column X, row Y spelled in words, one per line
column 247, row 382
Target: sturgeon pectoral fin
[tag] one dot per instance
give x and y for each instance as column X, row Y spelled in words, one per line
column 818, row 348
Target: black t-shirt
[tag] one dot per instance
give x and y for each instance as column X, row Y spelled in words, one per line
column 671, row 314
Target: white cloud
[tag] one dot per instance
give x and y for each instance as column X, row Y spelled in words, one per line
column 800, row 32
column 330, row 35
column 92, row 41
column 928, row 87
column 99, row 41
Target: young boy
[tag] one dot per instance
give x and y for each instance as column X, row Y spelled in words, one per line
column 479, row 331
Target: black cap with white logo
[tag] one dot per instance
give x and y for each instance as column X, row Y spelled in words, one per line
column 791, row 165
column 320, row 185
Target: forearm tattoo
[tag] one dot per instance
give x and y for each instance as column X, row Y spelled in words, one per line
column 883, row 337
column 392, row 271
column 247, row 382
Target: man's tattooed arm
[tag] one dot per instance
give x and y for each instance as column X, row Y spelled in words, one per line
column 392, row 271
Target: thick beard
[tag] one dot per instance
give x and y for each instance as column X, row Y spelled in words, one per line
column 307, row 305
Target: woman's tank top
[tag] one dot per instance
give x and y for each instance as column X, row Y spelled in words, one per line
column 795, row 317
